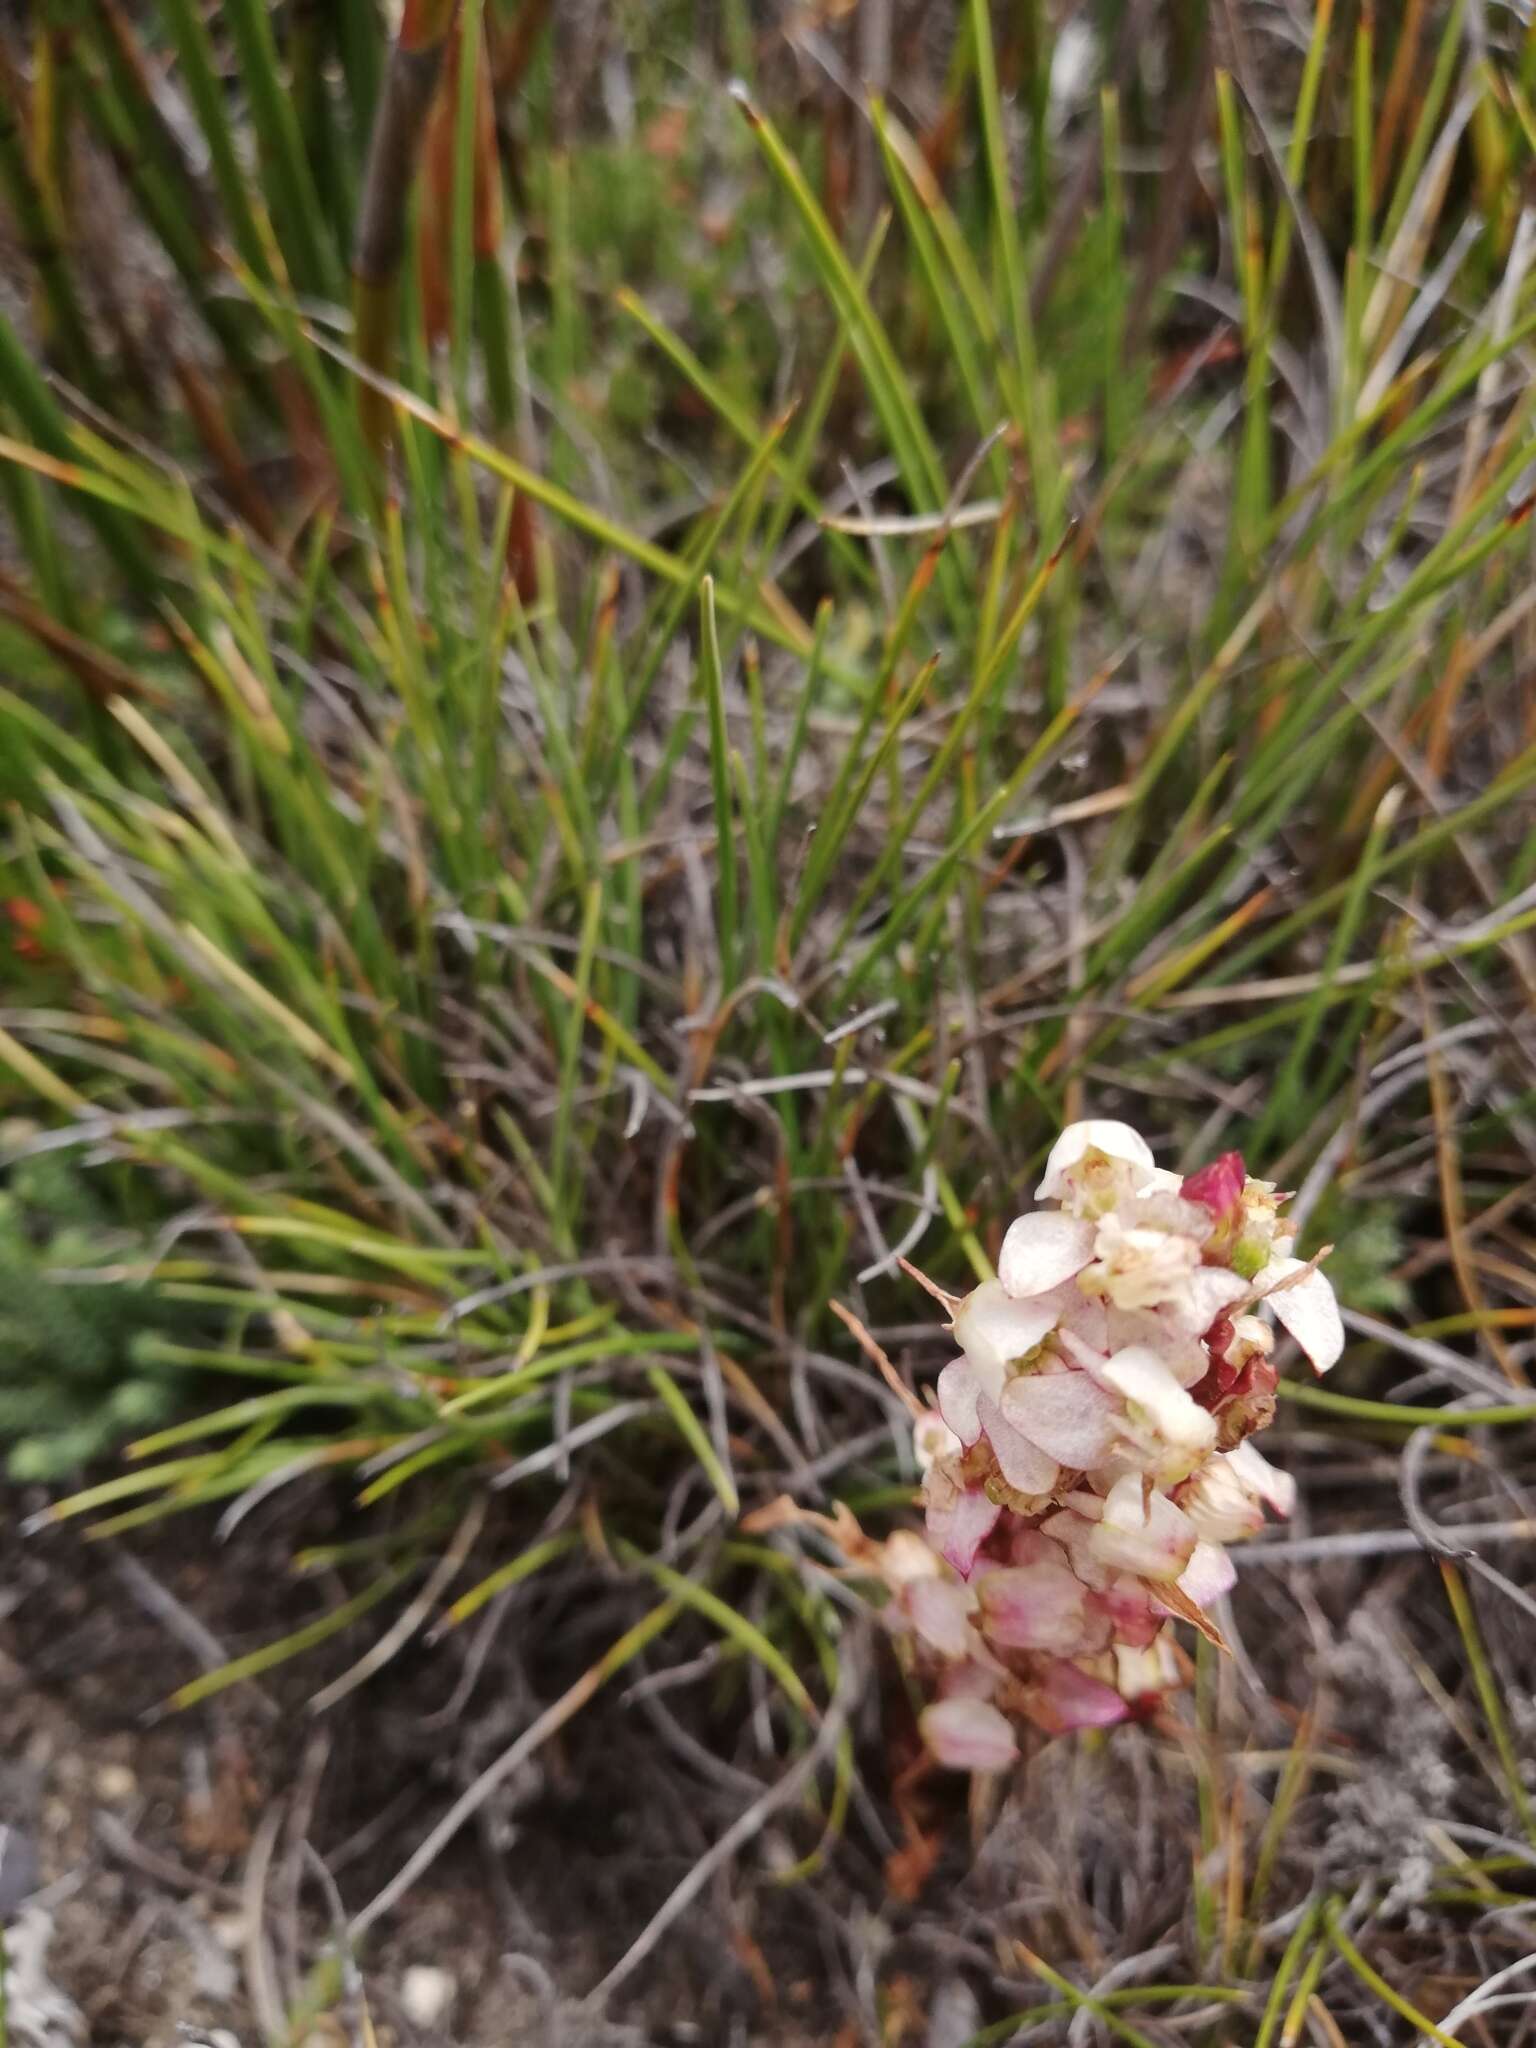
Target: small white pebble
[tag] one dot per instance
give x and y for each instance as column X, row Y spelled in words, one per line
column 116, row 1784
column 229, row 1931
column 426, row 1993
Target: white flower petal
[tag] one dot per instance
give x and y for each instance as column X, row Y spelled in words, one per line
column 968, row 1735
column 993, row 1330
column 1141, row 1269
column 1209, row 1290
column 905, row 1558
column 1254, row 1472
column 1089, row 1356
column 1070, row 1418
column 1152, row 1670
column 1088, row 1321
column 1155, row 1208
column 1166, row 1330
column 1147, row 1535
column 1209, row 1574
column 1220, row 1504
column 959, row 1389
column 940, row 1611
column 1042, row 1250
column 1306, row 1308
column 1141, row 1377
column 1026, row 1468
column 932, row 1439
column 1101, row 1134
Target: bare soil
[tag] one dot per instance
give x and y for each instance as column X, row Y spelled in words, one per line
column 177, row 1854
column 194, row 1868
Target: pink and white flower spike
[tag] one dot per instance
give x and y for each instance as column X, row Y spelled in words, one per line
column 1088, row 1458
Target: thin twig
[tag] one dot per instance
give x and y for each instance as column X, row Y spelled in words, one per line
column 405, row 1625
column 743, row 1828
column 469, row 1802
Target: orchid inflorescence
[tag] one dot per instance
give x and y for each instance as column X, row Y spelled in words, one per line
column 1089, row 1454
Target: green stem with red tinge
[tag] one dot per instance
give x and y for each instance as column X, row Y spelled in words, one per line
column 394, row 155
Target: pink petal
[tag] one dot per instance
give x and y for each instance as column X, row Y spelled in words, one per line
column 1099, row 1134
column 1032, row 1607
column 1209, row 1574
column 1307, row 1309
column 940, row 1611
column 1068, row 1698
column 1075, row 1533
column 1066, row 1414
column 968, row 1735
column 958, row 1391
column 974, row 1680
column 1219, row 1186
column 1030, row 1545
column 1127, row 1606
column 1026, row 1468
column 1042, row 1250
column 958, row 1529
